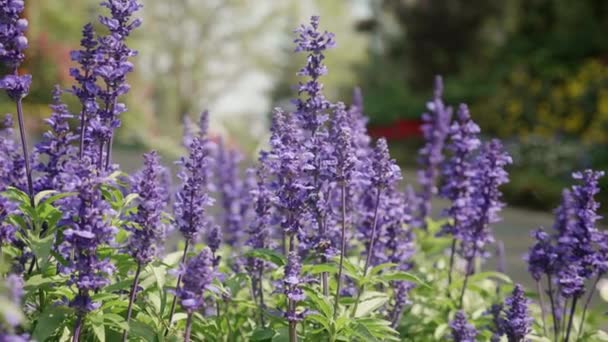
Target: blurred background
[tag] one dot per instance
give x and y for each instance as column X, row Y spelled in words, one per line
column 535, row 73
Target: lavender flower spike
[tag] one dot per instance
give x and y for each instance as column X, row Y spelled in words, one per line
column 197, row 275
column 517, row 323
column 12, row 44
column 148, row 231
column 12, row 36
column 87, row 217
column 114, row 66
column 435, row 129
column 293, row 292
column 192, row 198
column 462, row 330
column 56, row 145
column 314, row 42
column 577, row 243
column 459, row 171
column 86, row 88
column 491, row 174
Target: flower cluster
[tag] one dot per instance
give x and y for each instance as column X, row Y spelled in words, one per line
column 517, row 321
column 490, row 175
column 292, row 283
column 435, row 129
column 56, row 146
column 148, row 231
column 12, row 36
column 197, row 275
column 459, row 172
column 88, row 219
column 192, row 198
column 232, row 194
column 462, row 330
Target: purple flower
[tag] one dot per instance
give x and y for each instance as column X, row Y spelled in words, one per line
column 230, row 188
column 491, row 174
column 497, row 321
column 17, row 87
column 577, row 239
column 310, row 40
column 344, row 152
column 214, row 239
column 56, row 147
column 287, row 164
column 459, row 172
column 12, row 35
column 517, row 322
column 435, row 129
column 147, row 229
column 542, row 257
column 86, row 88
column 292, row 286
column 462, row 330
column 385, row 172
column 192, row 198
column 197, row 275
column 12, row 170
column 113, row 64
column 88, row 220
column 263, row 199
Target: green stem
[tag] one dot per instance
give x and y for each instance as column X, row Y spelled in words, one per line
column 342, row 250
column 179, row 280
column 188, row 330
column 586, row 307
column 369, row 251
column 572, row 310
column 132, row 296
column 542, row 306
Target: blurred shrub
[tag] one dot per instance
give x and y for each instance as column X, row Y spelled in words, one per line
column 566, row 105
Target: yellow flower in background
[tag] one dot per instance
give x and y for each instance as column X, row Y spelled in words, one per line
column 575, row 104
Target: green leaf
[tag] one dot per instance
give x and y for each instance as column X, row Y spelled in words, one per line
column 115, row 320
column 130, row 198
column 262, row 334
column 96, row 323
column 405, row 276
column 139, row 329
column 267, row 255
column 440, row 331
column 320, row 302
column 601, row 335
column 319, row 319
column 39, row 281
column 48, row 322
column 379, row 268
column 42, row 248
column 320, row 268
column 370, row 301
column 490, row 274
